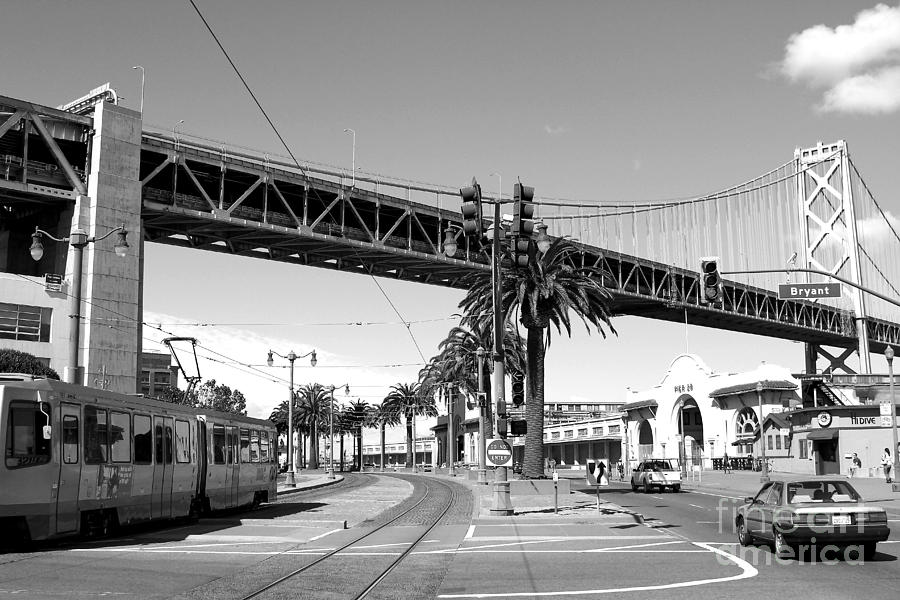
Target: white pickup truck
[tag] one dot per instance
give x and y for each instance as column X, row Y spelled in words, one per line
column 655, row 473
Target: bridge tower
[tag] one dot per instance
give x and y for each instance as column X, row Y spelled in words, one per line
column 830, row 238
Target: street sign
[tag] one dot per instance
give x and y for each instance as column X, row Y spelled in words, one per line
column 808, row 291
column 886, row 421
column 499, row 453
column 884, row 409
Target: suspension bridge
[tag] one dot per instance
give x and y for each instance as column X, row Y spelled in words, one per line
column 95, row 164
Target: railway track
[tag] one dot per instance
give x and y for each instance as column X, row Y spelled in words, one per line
column 430, row 504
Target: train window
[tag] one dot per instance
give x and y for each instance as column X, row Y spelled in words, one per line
column 245, row 445
column 25, row 443
column 120, row 436
column 254, row 446
column 70, row 440
column 264, row 446
column 96, row 435
column 169, row 444
column 143, row 440
column 158, row 437
column 182, row 441
column 232, row 441
column 219, row 444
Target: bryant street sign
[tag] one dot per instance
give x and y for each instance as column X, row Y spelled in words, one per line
column 808, row 291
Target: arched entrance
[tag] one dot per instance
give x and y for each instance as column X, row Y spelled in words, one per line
column 645, row 440
column 746, row 429
column 690, row 428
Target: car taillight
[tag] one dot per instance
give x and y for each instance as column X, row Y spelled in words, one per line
column 874, row 517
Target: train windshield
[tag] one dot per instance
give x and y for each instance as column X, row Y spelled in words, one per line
column 25, row 443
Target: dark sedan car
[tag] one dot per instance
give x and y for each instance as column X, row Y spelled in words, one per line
column 810, row 510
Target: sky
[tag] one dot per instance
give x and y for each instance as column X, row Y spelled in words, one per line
column 587, row 100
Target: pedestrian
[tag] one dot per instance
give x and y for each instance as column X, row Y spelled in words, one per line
column 886, row 464
column 855, row 464
column 727, row 464
column 621, row 468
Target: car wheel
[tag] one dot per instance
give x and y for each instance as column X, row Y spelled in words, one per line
column 782, row 548
column 634, row 487
column 676, row 488
column 743, row 534
column 869, row 550
column 646, row 487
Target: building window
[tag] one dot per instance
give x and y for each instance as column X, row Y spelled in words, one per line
column 582, row 431
column 554, row 435
column 25, row 323
column 570, row 433
column 598, row 431
column 769, row 443
column 803, row 453
column 778, row 442
column 787, row 444
column 613, row 429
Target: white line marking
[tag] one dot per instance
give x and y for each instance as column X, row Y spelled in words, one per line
column 511, row 538
column 716, row 495
column 747, row 570
column 470, row 532
column 707, row 522
column 697, row 506
column 321, row 535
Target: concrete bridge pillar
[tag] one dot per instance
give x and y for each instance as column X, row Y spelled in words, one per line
column 110, row 340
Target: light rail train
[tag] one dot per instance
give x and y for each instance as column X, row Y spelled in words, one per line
column 84, row 460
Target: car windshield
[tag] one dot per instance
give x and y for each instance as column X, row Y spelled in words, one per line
column 801, row 492
column 658, row 465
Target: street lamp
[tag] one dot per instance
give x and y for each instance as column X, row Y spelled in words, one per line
column 543, row 240
column 290, row 477
column 353, row 163
column 142, row 87
column 451, row 434
column 78, row 239
column 175, row 132
column 889, row 355
column 330, row 469
column 762, row 438
column 450, row 245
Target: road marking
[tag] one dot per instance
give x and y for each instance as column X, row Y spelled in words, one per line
column 321, row 535
column 697, row 506
column 747, row 571
column 716, row 495
column 707, row 522
column 470, row 532
column 512, row 538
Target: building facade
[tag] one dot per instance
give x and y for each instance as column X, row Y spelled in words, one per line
column 157, row 373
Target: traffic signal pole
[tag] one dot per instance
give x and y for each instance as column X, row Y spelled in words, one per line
column 501, row 504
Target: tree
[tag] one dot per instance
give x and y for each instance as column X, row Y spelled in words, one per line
column 408, row 400
column 357, row 414
column 14, row 361
column 544, row 292
column 221, row 398
column 312, row 412
column 381, row 417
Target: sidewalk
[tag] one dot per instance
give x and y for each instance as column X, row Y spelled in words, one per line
column 306, row 480
column 747, row 483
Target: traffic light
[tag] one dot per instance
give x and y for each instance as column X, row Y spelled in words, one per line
column 523, row 251
column 523, row 211
column 518, row 388
column 712, row 290
column 471, row 209
column 501, row 426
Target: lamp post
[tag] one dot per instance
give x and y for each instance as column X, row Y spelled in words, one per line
column 889, row 355
column 175, row 132
column 762, row 438
column 353, row 160
column 482, row 471
column 330, row 469
column 142, row 87
column 78, row 239
column 290, row 477
column 451, row 438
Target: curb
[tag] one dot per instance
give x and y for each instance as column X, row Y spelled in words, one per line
column 312, row 486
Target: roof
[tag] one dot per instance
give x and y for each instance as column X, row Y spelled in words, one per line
column 779, row 419
column 781, row 385
column 639, row 405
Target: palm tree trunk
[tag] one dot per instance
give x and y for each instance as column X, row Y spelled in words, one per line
column 342, row 452
column 488, row 410
column 382, row 446
column 534, row 405
column 409, row 440
column 313, row 446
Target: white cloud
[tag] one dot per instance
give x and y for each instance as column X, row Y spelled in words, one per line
column 871, row 93
column 858, row 65
column 555, row 129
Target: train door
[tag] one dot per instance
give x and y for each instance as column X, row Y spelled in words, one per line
column 232, row 467
column 162, row 468
column 67, row 516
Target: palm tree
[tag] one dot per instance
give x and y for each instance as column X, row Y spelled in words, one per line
column 544, row 292
column 408, row 400
column 312, row 413
column 381, row 417
column 356, row 415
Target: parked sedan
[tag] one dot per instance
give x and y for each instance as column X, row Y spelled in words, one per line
column 789, row 513
column 655, row 473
